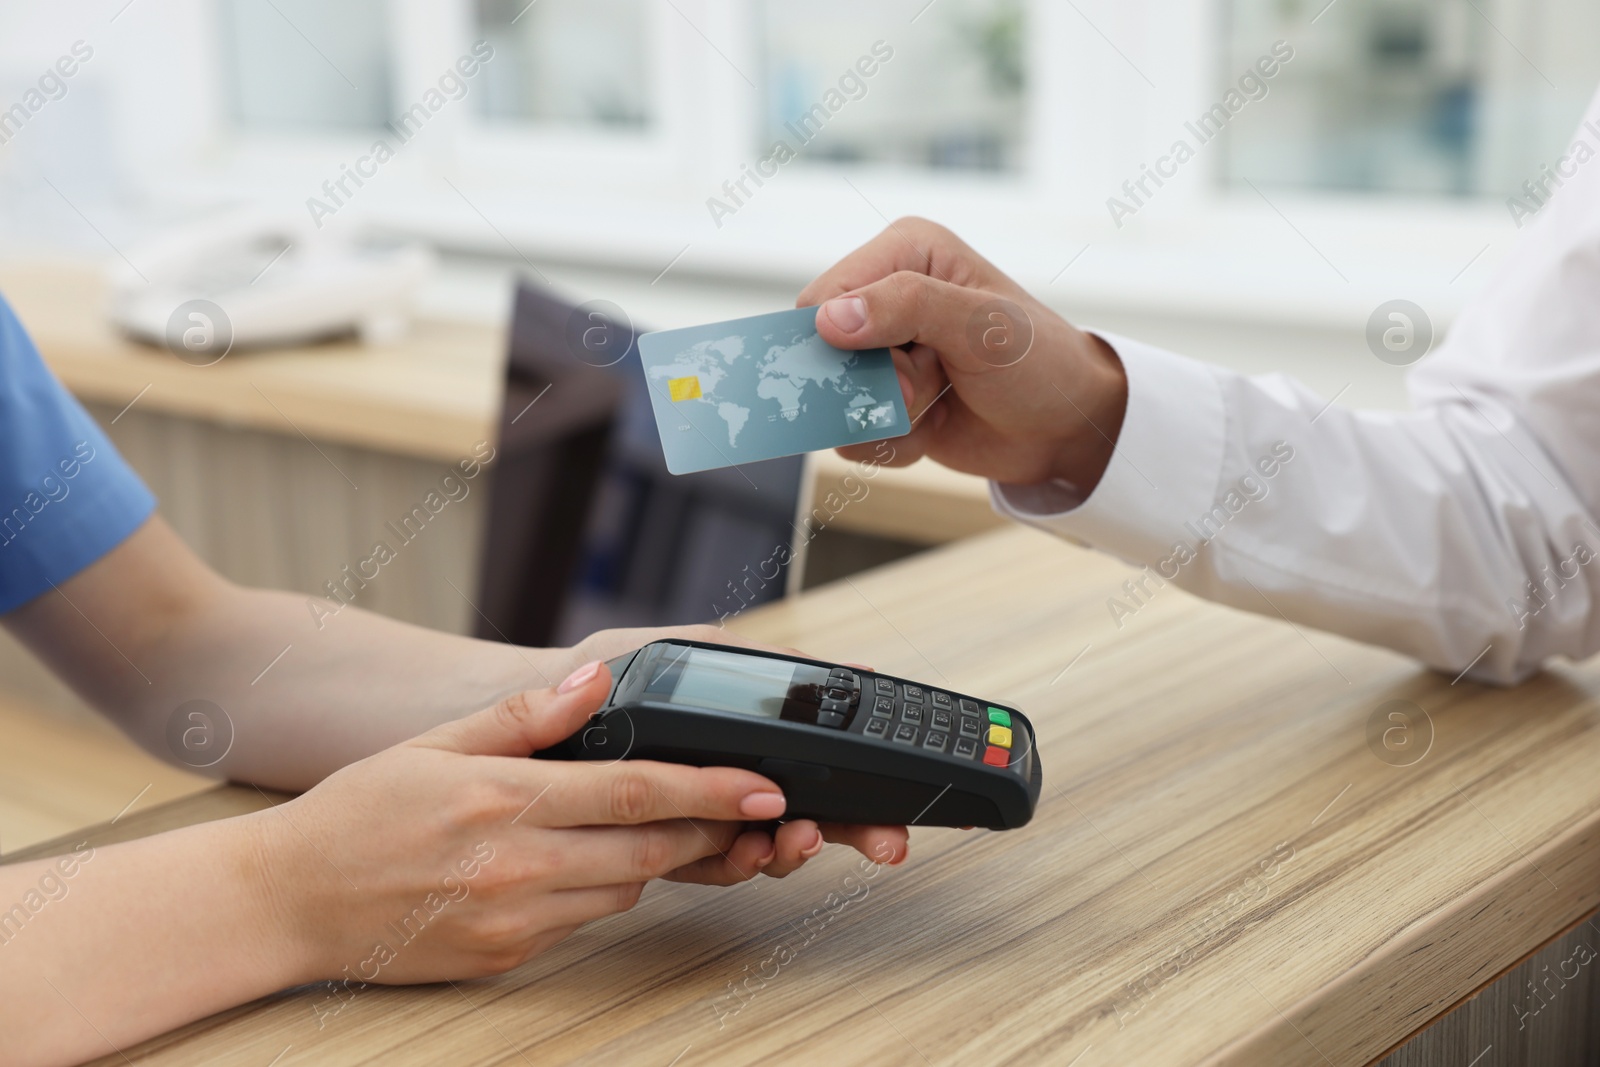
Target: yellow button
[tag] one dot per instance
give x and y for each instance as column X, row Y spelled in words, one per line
column 1000, row 736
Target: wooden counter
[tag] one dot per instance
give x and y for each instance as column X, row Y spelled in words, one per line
column 432, row 395
column 1222, row 869
column 924, row 504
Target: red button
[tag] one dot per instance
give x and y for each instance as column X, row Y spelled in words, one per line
column 995, row 756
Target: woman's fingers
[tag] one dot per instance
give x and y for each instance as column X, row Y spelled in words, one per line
column 798, row 841
column 881, row 844
column 631, row 792
column 793, row 844
column 525, row 722
column 790, row 846
column 568, row 909
column 751, row 852
column 605, row 855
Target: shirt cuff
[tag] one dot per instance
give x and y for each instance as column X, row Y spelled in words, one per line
column 1163, row 473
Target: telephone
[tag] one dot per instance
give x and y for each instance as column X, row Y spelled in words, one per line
column 276, row 280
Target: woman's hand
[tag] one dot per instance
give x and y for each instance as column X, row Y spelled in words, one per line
column 458, row 835
column 793, row 842
column 451, row 855
column 999, row 385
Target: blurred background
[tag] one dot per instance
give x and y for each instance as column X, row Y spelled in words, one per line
column 595, row 136
column 537, row 157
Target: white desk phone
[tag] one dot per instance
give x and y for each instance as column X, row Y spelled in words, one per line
column 277, row 280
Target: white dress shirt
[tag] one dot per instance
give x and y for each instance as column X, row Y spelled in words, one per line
column 1461, row 532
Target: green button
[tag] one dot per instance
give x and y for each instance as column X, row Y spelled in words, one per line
column 999, row 718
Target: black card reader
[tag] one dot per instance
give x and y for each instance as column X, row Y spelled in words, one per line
column 845, row 745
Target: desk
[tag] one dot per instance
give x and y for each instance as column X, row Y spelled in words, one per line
column 1222, row 869
column 924, row 504
column 432, row 395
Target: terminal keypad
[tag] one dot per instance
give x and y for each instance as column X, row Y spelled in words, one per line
column 936, row 721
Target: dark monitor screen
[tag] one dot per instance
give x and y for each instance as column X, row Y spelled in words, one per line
column 657, row 548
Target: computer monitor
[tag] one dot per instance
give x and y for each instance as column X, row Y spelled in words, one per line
column 655, row 548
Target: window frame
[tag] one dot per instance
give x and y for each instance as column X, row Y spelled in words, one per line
column 647, row 205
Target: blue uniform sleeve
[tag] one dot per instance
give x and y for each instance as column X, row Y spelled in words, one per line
column 66, row 496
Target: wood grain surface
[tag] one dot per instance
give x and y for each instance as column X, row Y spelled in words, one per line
column 925, row 503
column 57, row 776
column 1544, row 1012
column 1228, row 865
column 434, row 394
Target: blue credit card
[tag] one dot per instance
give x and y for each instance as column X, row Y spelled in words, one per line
column 744, row 390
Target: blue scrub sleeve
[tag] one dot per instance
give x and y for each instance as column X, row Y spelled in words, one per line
column 66, row 496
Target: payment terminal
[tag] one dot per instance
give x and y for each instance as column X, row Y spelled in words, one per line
column 845, row 745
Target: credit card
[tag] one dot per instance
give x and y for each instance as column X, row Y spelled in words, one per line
column 750, row 389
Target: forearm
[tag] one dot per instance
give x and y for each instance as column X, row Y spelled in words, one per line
column 149, row 629
column 304, row 698
column 113, row 945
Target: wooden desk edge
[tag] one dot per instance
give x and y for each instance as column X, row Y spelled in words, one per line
column 923, row 504
column 393, row 426
column 101, row 366
column 222, row 802
column 1424, row 947
column 446, row 439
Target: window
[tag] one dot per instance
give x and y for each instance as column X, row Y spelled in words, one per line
column 599, row 121
column 300, row 64
column 582, row 62
column 1439, row 97
column 947, row 89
